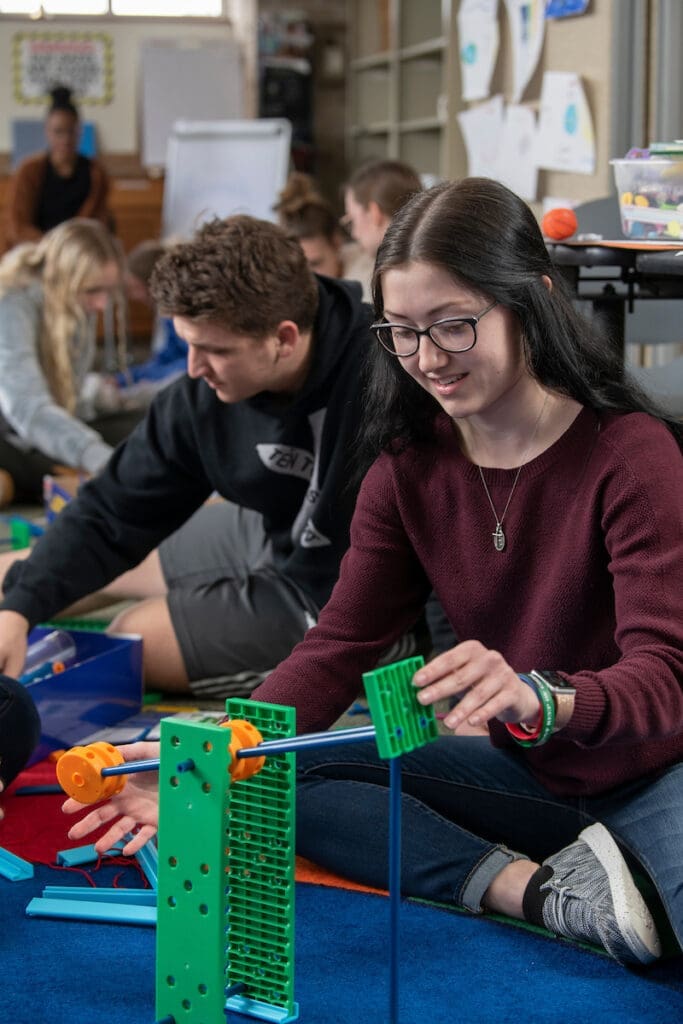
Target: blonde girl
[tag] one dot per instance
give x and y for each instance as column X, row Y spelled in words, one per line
column 51, row 293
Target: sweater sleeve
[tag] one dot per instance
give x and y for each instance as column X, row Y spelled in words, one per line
column 640, row 697
column 379, row 595
column 25, row 399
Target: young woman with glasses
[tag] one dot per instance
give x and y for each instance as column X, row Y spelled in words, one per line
column 515, row 470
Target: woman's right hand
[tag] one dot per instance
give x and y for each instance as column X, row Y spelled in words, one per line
column 135, row 807
column 13, row 643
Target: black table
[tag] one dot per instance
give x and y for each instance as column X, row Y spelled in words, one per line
column 614, row 276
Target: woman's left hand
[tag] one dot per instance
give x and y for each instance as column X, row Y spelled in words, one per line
column 487, row 687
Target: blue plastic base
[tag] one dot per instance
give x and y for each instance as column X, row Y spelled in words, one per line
column 263, row 1011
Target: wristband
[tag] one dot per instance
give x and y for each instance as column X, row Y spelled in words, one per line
column 547, row 724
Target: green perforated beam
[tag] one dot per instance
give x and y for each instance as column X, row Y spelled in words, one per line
column 401, row 723
column 226, row 874
column 261, row 873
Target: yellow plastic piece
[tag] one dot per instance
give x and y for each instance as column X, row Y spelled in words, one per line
column 641, row 201
column 627, row 199
column 244, row 734
column 79, row 772
column 673, row 229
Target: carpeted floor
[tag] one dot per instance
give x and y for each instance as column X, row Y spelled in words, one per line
column 454, row 967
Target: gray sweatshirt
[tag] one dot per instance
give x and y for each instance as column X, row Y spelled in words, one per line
column 30, row 417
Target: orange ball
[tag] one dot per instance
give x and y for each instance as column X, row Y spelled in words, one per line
column 559, row 223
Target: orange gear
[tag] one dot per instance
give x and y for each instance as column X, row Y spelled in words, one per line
column 244, row 734
column 79, row 772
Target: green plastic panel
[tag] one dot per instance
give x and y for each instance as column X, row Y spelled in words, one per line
column 226, row 874
column 401, row 723
column 261, row 879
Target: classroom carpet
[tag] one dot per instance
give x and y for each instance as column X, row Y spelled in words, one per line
column 454, row 967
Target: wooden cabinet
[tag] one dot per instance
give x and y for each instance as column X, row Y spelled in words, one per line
column 136, row 207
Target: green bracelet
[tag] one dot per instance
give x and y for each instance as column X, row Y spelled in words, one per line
column 548, row 723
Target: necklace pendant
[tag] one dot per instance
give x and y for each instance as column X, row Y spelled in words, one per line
column 498, row 537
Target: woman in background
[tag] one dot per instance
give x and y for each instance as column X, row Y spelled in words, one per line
column 309, row 217
column 50, row 294
column 52, row 187
column 373, row 194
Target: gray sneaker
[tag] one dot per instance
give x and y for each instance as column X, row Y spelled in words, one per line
column 593, row 898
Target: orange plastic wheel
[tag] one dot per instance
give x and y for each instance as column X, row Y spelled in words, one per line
column 79, row 772
column 244, row 734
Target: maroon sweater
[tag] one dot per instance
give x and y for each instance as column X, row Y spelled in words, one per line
column 590, row 584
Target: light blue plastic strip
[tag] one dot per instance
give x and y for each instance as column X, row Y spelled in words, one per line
column 141, row 897
column 87, row 854
column 264, row 1011
column 148, row 859
column 85, row 910
column 13, row 867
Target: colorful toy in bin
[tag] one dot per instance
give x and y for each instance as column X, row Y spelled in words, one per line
column 58, row 492
column 49, row 655
column 650, row 192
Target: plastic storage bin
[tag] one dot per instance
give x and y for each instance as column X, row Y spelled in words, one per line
column 100, row 688
column 650, row 197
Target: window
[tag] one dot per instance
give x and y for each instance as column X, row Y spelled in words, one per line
column 120, row 8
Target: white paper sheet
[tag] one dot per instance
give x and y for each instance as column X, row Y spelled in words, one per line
column 482, row 129
column 517, row 167
column 478, row 42
column 565, row 138
column 526, row 19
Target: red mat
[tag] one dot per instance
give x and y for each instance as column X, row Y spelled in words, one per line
column 35, row 828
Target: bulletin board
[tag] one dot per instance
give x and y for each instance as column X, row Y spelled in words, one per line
column 219, row 168
column 194, row 80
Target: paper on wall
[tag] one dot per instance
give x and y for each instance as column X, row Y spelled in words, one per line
column 527, row 27
column 482, row 128
column 517, row 167
column 478, row 42
column 565, row 139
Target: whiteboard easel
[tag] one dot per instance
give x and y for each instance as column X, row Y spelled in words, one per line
column 197, row 79
column 219, row 168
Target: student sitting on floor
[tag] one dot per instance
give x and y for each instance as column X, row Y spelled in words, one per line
column 52, row 409
column 267, row 416
column 519, row 474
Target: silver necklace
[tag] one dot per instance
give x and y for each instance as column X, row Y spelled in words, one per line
column 499, row 539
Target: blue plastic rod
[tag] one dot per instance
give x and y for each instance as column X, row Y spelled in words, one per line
column 394, row 883
column 336, row 738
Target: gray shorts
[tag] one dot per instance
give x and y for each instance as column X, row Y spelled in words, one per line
column 235, row 616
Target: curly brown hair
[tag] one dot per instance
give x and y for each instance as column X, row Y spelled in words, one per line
column 242, row 273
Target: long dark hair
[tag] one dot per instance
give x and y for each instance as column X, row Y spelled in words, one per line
column 488, row 239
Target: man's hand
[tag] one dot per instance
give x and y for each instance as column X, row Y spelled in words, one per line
column 135, row 807
column 13, row 643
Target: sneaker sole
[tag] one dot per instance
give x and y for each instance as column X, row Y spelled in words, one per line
column 633, row 917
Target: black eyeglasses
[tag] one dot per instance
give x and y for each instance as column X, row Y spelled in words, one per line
column 453, row 334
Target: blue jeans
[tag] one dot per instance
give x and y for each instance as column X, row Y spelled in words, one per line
column 468, row 810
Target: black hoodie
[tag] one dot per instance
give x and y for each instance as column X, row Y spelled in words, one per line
column 289, row 460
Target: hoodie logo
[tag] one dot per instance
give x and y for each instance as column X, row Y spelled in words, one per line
column 286, row 459
column 292, row 461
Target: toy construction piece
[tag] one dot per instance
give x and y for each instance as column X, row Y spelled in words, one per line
column 98, row 771
column 79, row 772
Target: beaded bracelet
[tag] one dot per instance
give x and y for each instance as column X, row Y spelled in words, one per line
column 547, row 723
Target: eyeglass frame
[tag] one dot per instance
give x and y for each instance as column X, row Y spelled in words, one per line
column 471, row 320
